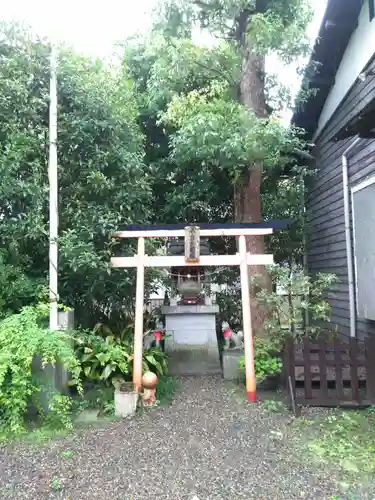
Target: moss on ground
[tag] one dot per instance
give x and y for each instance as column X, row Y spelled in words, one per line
column 342, row 441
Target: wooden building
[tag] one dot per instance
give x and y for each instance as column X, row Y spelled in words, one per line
column 339, row 119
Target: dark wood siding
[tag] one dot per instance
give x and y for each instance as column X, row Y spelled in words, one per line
column 325, row 206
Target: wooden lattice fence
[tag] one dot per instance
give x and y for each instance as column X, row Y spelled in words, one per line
column 321, row 372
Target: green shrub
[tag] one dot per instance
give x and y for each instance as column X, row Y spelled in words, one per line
column 24, row 338
column 17, row 289
column 155, row 360
column 108, row 358
column 296, row 293
column 266, row 363
column 102, row 359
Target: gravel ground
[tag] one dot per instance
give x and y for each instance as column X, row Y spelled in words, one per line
column 208, row 443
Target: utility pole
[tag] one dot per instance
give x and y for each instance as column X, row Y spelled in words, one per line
column 53, row 194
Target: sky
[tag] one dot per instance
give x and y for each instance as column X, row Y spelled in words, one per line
column 93, row 27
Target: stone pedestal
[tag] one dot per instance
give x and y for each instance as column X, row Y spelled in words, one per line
column 66, row 320
column 51, row 378
column 191, row 341
column 231, row 358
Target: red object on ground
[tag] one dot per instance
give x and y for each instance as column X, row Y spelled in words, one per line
column 158, row 335
column 251, row 396
column 227, row 333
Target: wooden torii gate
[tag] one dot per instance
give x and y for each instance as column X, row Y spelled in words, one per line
column 242, row 259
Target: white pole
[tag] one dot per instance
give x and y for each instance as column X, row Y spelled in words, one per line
column 138, row 326
column 53, row 194
column 247, row 328
column 348, row 237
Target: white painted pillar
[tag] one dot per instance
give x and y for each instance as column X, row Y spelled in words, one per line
column 247, row 327
column 53, row 196
column 138, row 327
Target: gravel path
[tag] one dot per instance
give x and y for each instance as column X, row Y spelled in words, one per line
column 209, row 443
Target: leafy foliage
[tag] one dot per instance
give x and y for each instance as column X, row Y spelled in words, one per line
column 266, row 363
column 102, row 178
column 281, row 28
column 102, row 360
column 229, row 297
column 343, row 443
column 296, row 294
column 293, row 296
column 283, row 197
column 155, row 360
column 219, row 132
column 109, row 358
column 17, row 288
column 269, row 25
column 23, row 340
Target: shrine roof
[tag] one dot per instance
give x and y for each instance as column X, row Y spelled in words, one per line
column 271, row 224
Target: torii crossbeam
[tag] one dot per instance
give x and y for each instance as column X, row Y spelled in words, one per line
column 243, row 259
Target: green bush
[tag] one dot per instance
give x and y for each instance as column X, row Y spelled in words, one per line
column 102, row 359
column 109, row 357
column 294, row 295
column 17, row 289
column 266, row 363
column 155, row 360
column 23, row 339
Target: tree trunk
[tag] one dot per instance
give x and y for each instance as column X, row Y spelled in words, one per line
column 247, row 199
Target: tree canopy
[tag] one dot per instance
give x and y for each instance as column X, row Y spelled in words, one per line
column 181, row 131
column 211, row 114
column 103, row 180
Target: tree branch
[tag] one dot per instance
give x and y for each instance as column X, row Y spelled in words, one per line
column 228, row 78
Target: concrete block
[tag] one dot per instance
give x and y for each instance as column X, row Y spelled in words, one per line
column 66, row 320
column 190, row 309
column 231, row 358
column 191, row 341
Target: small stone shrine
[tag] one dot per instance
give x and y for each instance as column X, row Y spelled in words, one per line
column 190, row 318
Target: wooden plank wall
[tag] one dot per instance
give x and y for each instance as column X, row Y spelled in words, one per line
column 325, row 207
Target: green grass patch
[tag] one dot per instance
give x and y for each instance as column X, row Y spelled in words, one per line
column 342, row 442
column 39, row 435
column 166, row 388
column 95, row 409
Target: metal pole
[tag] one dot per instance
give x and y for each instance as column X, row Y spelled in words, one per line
column 348, row 237
column 247, row 327
column 53, row 194
column 138, row 326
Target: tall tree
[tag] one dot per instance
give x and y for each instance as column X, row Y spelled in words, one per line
column 214, row 104
column 103, row 180
column 230, row 124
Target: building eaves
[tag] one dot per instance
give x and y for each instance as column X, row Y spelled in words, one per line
column 339, row 22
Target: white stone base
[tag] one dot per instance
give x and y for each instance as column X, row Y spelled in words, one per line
column 191, row 339
column 125, row 403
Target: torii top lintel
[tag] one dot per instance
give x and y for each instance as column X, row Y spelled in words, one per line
column 175, row 230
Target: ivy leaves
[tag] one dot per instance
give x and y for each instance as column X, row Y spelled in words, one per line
column 23, row 341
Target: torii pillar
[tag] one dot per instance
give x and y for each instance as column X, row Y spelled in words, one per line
column 242, row 259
